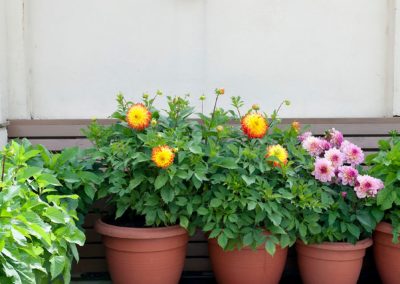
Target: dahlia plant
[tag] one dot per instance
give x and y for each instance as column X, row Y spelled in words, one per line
column 152, row 162
column 333, row 166
column 386, row 165
column 251, row 191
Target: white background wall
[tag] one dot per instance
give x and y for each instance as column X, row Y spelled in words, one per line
column 331, row 58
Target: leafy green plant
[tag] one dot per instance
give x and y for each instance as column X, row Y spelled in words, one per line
column 331, row 166
column 386, row 165
column 153, row 162
column 38, row 232
column 252, row 185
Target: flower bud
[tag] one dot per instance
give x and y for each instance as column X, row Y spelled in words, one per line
column 220, row 128
column 220, row 91
column 296, row 126
column 153, row 122
column 175, row 150
column 287, row 102
column 159, row 93
column 159, row 135
column 343, row 194
column 255, row 107
column 145, row 96
column 202, row 98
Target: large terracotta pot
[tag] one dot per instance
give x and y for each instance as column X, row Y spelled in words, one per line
column 331, row 263
column 246, row 265
column 144, row 255
column 387, row 254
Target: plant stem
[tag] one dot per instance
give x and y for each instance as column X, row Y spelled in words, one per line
column 3, row 168
column 276, row 114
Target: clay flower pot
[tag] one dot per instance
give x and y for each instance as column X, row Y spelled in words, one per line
column 331, row 263
column 246, row 265
column 144, row 255
column 387, row 254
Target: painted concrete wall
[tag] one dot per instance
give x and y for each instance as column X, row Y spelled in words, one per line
column 3, row 74
column 330, row 58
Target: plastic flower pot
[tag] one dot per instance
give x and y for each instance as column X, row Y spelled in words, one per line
column 144, row 255
column 331, row 263
column 246, row 265
column 387, row 254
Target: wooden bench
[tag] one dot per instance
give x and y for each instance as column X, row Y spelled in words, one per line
column 58, row 134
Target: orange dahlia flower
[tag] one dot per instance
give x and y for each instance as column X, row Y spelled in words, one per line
column 163, row 156
column 254, row 125
column 138, row 117
column 279, row 152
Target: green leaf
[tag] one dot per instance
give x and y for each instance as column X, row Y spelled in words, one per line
column 270, row 247
column 248, row 239
column 215, row 202
column 226, row 162
column 57, row 265
column 195, row 149
column 285, row 241
column 46, row 179
column 56, row 215
column 248, row 180
column 161, row 180
column 354, row 230
column 222, row 240
column 202, row 211
column 184, row 221
column 29, row 172
column 167, row 194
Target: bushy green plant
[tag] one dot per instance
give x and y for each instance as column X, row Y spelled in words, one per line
column 385, row 164
column 38, row 235
column 153, row 161
column 332, row 167
column 252, row 185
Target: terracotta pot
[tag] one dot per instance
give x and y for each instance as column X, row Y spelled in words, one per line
column 387, row 254
column 144, row 255
column 246, row 265
column 331, row 263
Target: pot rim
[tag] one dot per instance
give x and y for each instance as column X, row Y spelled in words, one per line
column 138, row 233
column 339, row 246
column 384, row 227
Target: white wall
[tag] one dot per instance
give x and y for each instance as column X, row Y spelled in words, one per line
column 3, row 74
column 330, row 58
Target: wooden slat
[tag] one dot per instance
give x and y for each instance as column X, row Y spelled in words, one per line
column 73, row 127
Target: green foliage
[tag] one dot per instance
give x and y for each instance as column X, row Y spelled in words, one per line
column 132, row 181
column 38, row 232
column 245, row 195
column 386, row 165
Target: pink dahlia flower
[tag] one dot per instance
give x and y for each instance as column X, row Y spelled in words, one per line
column 347, row 175
column 304, row 136
column 313, row 145
column 334, row 137
column 354, row 154
column 335, row 156
column 323, row 170
column 367, row 186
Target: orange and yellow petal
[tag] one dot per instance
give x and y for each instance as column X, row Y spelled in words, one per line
column 163, row 156
column 296, row 126
column 254, row 125
column 278, row 152
column 138, row 117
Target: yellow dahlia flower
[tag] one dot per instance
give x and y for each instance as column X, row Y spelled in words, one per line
column 254, row 125
column 138, row 117
column 163, row 156
column 279, row 152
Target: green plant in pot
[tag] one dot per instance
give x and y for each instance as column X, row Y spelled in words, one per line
column 385, row 164
column 39, row 235
column 153, row 166
column 333, row 239
column 248, row 201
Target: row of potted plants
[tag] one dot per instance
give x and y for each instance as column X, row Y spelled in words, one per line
column 254, row 189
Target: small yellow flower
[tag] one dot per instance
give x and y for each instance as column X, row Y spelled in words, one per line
column 138, row 117
column 279, row 152
column 296, row 126
column 220, row 128
column 162, row 156
column 254, row 125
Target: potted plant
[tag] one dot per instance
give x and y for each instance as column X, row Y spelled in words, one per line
column 247, row 201
column 332, row 240
column 386, row 165
column 152, row 169
column 39, row 235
